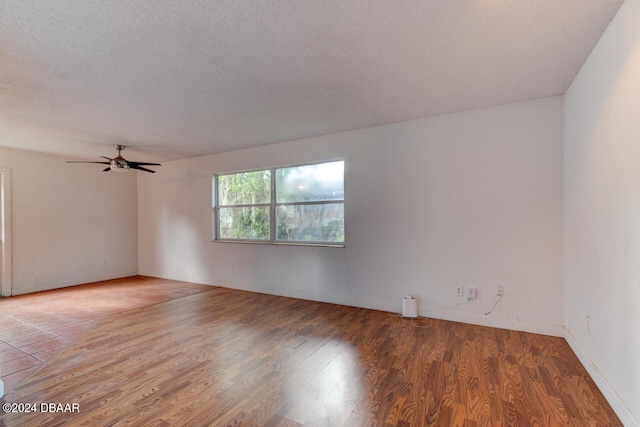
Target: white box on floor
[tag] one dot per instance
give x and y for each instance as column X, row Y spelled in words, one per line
column 409, row 306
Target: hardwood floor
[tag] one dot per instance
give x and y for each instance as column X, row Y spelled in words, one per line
column 224, row 357
column 36, row 327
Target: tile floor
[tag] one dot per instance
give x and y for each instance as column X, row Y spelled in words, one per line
column 36, row 327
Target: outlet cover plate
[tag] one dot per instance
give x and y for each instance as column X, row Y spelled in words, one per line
column 472, row 293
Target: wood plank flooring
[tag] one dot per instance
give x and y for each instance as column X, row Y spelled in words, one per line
column 226, row 357
column 36, row 327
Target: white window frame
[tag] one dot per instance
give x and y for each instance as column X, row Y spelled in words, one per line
column 272, row 207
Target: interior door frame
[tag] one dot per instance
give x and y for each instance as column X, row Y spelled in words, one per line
column 5, row 231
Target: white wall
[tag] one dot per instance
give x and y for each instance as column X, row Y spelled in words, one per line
column 602, row 213
column 472, row 199
column 66, row 219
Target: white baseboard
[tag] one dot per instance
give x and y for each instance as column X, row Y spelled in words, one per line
column 618, row 405
column 309, row 296
column 497, row 322
column 1, row 388
column 58, row 285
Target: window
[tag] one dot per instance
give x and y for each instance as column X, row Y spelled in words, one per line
column 299, row 204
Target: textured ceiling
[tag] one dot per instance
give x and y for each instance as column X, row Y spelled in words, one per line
column 175, row 79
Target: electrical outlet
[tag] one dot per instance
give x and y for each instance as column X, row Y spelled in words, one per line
column 459, row 291
column 589, row 325
column 472, row 293
column 104, row 262
column 231, row 268
column 500, row 291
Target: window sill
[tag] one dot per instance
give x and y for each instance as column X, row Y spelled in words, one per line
column 268, row 242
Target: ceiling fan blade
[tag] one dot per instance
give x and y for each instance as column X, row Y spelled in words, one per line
column 107, row 169
column 82, row 161
column 135, row 166
column 143, row 164
column 106, row 158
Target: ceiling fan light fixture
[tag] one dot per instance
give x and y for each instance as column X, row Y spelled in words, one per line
column 117, row 166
